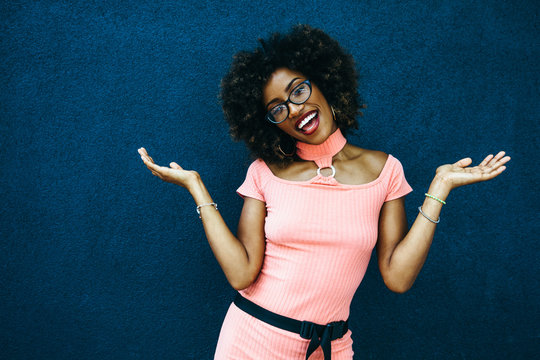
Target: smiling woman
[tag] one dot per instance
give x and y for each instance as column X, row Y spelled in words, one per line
column 314, row 211
column 305, row 104
column 299, row 95
column 312, row 55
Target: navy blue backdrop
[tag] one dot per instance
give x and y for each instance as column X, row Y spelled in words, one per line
column 101, row 260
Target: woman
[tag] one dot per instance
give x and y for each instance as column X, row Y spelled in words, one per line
column 315, row 206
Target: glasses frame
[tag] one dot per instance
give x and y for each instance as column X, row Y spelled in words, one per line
column 270, row 118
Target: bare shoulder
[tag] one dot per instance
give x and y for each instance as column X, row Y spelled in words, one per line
column 362, row 165
column 372, row 160
column 296, row 171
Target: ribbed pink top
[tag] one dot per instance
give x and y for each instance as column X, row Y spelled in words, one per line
column 319, row 237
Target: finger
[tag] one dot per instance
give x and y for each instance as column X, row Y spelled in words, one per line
column 500, row 163
column 148, row 158
column 505, row 159
column 144, row 153
column 145, row 158
column 498, row 160
column 175, row 166
column 497, row 157
column 463, row 162
column 150, row 164
column 486, row 160
column 158, row 171
column 495, row 173
column 500, row 154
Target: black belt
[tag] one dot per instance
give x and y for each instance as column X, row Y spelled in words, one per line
column 320, row 335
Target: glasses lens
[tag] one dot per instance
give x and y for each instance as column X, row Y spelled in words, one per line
column 300, row 93
column 278, row 113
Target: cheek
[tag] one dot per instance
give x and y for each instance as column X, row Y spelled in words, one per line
column 285, row 127
column 322, row 101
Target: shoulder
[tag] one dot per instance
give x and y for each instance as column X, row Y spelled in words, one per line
column 295, row 171
column 256, row 167
column 373, row 161
column 253, row 185
column 257, row 170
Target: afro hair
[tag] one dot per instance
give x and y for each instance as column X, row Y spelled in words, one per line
column 305, row 49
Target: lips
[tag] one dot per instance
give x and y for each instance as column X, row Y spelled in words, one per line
column 308, row 123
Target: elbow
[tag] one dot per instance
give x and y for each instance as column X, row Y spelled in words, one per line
column 399, row 287
column 241, row 283
column 398, row 281
column 238, row 285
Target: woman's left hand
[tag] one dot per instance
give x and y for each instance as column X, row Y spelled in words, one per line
column 459, row 173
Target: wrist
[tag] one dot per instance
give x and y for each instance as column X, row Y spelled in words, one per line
column 194, row 183
column 198, row 191
column 440, row 187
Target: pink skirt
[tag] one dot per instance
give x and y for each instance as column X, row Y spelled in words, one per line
column 244, row 337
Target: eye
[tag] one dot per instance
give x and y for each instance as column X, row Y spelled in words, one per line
column 300, row 90
column 278, row 110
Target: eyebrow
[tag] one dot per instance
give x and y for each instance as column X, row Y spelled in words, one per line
column 286, row 90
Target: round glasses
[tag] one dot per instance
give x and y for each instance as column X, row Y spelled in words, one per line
column 299, row 95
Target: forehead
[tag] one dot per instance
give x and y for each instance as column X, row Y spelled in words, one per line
column 276, row 85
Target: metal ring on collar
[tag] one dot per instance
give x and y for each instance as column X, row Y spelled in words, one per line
column 327, row 167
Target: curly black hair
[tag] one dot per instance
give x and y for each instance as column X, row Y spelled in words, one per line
column 305, row 49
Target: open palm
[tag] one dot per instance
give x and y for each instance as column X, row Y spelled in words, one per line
column 459, row 173
column 173, row 174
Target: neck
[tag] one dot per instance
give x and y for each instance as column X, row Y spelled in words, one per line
column 322, row 153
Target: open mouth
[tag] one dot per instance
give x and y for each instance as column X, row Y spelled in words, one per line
column 308, row 123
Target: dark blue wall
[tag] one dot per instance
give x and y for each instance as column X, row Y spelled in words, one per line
column 101, row 260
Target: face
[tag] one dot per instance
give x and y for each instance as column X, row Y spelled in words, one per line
column 311, row 122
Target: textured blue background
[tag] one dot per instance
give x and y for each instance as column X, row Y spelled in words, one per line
column 101, row 260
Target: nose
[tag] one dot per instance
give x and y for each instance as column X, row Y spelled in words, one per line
column 295, row 109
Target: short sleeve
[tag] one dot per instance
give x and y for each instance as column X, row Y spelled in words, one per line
column 251, row 187
column 397, row 184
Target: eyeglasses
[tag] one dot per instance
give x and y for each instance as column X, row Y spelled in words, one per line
column 299, row 95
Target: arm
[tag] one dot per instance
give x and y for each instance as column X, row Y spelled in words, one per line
column 402, row 254
column 240, row 257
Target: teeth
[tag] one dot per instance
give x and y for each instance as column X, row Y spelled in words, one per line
column 306, row 120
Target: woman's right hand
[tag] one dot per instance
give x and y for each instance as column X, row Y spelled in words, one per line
column 173, row 174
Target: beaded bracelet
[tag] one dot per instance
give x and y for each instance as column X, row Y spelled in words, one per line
column 427, row 217
column 435, row 198
column 200, row 206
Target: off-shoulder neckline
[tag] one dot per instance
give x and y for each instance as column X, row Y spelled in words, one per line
column 313, row 180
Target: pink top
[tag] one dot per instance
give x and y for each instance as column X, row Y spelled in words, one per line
column 319, row 237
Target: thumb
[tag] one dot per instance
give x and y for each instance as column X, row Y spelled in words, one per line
column 464, row 162
column 174, row 165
